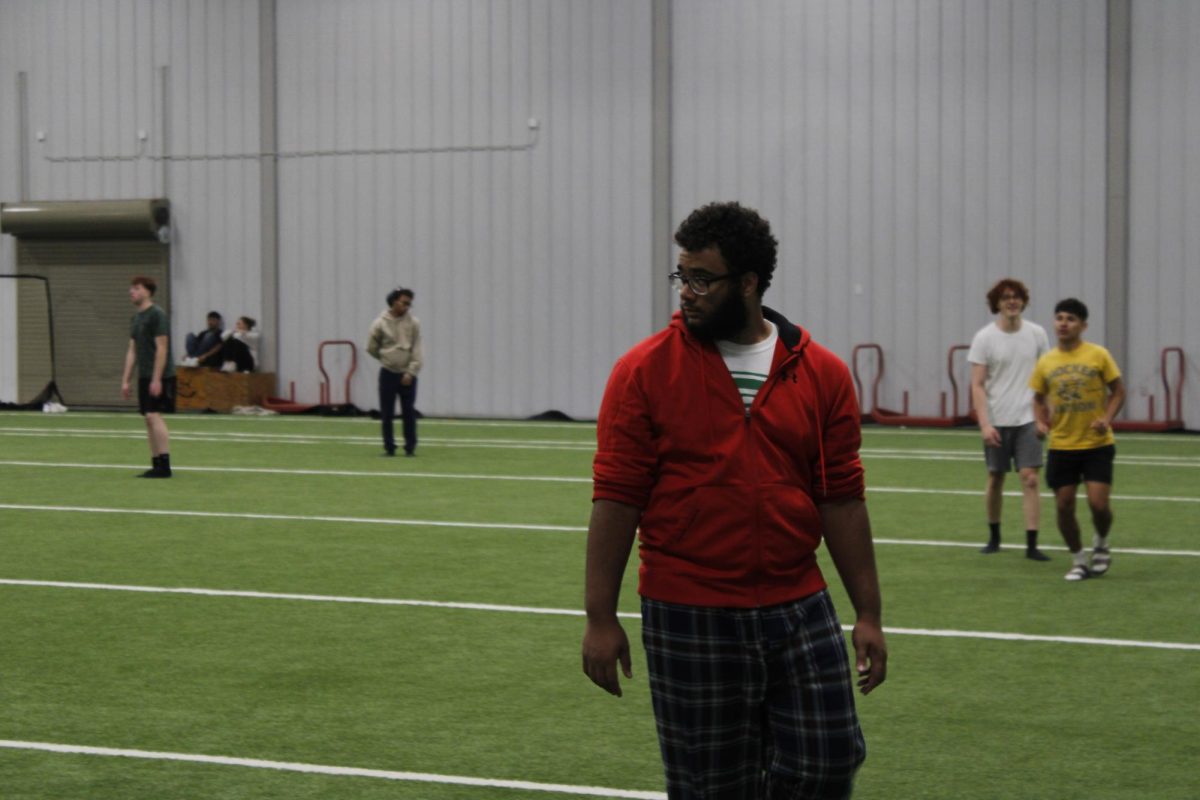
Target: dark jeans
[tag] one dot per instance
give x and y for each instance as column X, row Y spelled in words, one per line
column 197, row 344
column 389, row 388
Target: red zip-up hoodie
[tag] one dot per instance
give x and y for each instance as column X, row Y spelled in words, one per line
column 729, row 496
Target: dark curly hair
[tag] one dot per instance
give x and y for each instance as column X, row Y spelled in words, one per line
column 741, row 236
column 1006, row 285
column 396, row 294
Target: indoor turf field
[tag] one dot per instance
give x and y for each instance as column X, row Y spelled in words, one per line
column 293, row 616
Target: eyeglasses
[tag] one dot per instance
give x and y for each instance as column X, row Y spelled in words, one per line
column 698, row 285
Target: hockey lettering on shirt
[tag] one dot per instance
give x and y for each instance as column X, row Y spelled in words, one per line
column 1075, row 383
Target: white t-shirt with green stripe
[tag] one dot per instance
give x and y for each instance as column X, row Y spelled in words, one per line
column 750, row 364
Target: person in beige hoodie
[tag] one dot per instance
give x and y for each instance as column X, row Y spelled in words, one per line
column 395, row 340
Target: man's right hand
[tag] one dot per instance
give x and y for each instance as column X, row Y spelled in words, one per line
column 604, row 645
column 991, row 436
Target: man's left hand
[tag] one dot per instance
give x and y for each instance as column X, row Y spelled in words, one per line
column 406, row 379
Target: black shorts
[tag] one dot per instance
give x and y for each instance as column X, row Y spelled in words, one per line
column 1068, row 467
column 163, row 404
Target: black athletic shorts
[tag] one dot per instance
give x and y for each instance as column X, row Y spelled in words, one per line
column 163, row 404
column 1068, row 467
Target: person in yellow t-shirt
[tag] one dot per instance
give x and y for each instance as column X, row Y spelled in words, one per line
column 1077, row 391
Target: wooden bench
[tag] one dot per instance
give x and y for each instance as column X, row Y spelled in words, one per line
column 203, row 389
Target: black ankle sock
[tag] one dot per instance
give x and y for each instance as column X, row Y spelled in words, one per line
column 1031, row 539
column 994, row 530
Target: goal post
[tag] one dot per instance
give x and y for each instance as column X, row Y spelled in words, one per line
column 37, row 363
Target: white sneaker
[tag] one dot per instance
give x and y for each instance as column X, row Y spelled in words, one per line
column 229, row 366
column 1078, row 573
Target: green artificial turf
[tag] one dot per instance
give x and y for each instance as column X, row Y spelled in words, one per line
column 455, row 674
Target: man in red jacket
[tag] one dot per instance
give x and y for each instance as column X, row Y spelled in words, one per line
column 730, row 440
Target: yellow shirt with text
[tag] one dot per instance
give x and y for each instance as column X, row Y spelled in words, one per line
column 1075, row 384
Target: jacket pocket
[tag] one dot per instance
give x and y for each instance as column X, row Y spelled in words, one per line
column 790, row 525
column 667, row 518
column 709, row 527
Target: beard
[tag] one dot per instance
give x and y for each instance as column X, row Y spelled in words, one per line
column 725, row 321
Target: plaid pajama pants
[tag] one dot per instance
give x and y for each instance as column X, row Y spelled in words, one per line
column 753, row 702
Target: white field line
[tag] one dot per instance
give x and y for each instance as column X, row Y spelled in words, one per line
column 872, row 431
column 506, row 526
column 242, row 436
column 869, row 431
column 352, row 473
column 296, row 438
column 322, row 769
column 284, row 419
column 297, row 518
column 975, row 493
column 516, row 478
column 231, row 437
column 1133, row 551
column 961, row 455
column 566, row 612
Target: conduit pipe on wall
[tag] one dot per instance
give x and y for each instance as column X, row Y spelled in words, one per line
column 533, row 124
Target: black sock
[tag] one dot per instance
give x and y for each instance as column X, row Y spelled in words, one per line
column 163, row 463
column 1031, row 539
column 994, row 528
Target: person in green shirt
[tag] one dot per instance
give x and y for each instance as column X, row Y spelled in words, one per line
column 150, row 351
column 1077, row 391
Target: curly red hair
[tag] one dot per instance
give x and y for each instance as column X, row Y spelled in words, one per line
column 1007, row 285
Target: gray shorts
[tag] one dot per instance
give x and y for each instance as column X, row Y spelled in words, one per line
column 1020, row 448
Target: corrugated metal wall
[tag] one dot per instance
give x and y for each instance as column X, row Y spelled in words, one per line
column 1164, row 240
column 527, row 249
column 908, row 154
column 12, row 29
column 185, row 74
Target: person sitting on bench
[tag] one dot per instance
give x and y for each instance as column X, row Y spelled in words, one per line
column 238, row 349
column 197, row 344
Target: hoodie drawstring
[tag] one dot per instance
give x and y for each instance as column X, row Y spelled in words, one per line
column 820, row 415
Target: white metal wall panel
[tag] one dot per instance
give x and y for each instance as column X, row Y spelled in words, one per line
column 908, row 155
column 529, row 265
column 1164, row 241
column 211, row 177
column 95, row 79
column 13, row 26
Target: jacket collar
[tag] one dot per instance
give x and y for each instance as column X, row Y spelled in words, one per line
column 794, row 337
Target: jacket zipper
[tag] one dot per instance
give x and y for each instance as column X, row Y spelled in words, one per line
column 761, row 400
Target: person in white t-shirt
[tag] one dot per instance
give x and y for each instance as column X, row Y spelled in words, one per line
column 1002, row 357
